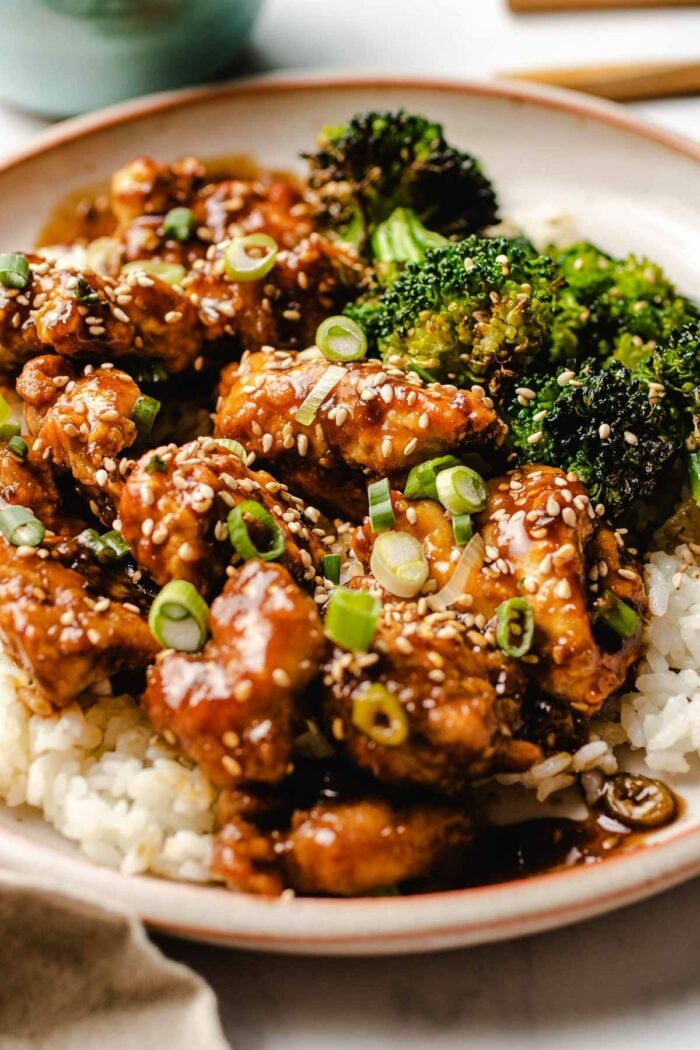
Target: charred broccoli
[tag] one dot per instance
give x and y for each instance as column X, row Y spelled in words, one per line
column 604, row 424
column 614, row 308
column 377, row 162
column 473, row 311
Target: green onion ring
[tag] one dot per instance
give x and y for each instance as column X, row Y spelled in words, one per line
column 240, row 537
column 399, row 564
column 351, row 618
column 306, row 412
column 330, row 567
column 20, row 527
column 378, row 714
column 170, row 273
column 178, row 224
column 179, row 617
column 421, row 481
column 461, row 490
column 515, row 627
column 619, row 616
column 14, row 270
column 240, row 265
column 381, row 511
column 341, row 339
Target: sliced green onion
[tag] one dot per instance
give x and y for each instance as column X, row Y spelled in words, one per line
column 330, row 567
column 694, row 475
column 21, row 527
column 240, row 537
column 156, row 465
column 107, row 548
column 462, row 528
column 515, row 627
column 179, row 617
column 241, row 265
column 341, row 339
column 145, row 372
column 10, row 430
column 4, row 410
column 425, row 375
column 351, row 618
column 178, row 224
column 171, row 273
column 421, row 482
column 619, row 616
column 233, row 446
column 461, row 490
column 379, row 715
column 399, row 564
column 381, row 511
column 318, row 394
column 470, row 560
column 14, row 270
column 85, row 293
column 143, row 415
column 18, row 446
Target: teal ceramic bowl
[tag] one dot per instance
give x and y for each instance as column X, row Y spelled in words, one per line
column 61, row 57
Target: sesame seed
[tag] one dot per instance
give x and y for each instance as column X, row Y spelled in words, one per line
column 627, row 574
column 553, row 507
column 231, row 766
column 563, row 589
column 522, row 391
column 230, row 739
column 564, row 377
column 172, row 317
column 410, row 446
column 630, row 438
column 534, row 438
column 603, row 431
column 387, row 447
column 569, row 517
column 93, row 636
column 243, row 690
column 424, row 421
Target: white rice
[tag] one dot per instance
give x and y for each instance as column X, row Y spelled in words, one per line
column 662, row 715
column 102, row 779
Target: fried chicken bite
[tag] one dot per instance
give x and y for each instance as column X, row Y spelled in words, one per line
column 145, row 187
column 359, row 848
column 96, row 317
column 450, row 699
column 376, row 422
column 81, row 424
column 231, row 708
column 541, row 540
column 29, row 483
column 64, row 637
column 174, row 507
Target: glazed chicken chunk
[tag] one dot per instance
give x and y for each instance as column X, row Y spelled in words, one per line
column 231, row 708
column 96, row 317
column 541, row 543
column 434, row 704
column 376, row 422
column 174, row 507
column 81, row 424
column 64, row 637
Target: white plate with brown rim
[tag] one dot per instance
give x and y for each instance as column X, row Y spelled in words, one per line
column 629, row 186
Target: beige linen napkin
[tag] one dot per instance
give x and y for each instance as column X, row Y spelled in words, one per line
column 76, row 975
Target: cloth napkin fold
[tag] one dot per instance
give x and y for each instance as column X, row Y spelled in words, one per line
column 77, row 975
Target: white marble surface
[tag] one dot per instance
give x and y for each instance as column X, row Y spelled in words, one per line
column 629, row 980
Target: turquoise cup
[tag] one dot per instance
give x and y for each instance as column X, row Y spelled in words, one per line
column 60, row 57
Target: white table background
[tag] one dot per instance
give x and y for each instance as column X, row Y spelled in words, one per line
column 629, row 980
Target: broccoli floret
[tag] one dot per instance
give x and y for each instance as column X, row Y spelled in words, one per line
column 676, row 364
column 377, row 162
column 604, row 424
column 474, row 311
column 614, row 308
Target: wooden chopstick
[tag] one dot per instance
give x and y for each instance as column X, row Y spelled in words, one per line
column 533, row 6
column 622, row 83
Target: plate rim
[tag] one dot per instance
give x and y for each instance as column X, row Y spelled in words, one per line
column 418, row 923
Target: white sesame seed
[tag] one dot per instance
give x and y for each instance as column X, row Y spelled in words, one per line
column 569, row 517
column 563, row 589
column 553, row 507
column 603, row 431
column 410, row 446
column 534, row 438
column 630, row 438
column 564, row 377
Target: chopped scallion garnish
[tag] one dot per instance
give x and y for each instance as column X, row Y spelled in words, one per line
column 18, row 446
column 461, row 490
column 178, row 224
column 515, row 627
column 619, row 616
column 156, row 465
column 179, row 617
column 425, row 375
column 20, row 527
column 9, row 430
column 399, row 564
column 318, row 394
column 694, row 475
column 4, row 410
column 251, row 257
column 240, row 536
column 421, row 481
column 341, row 339
column 381, row 511
column 330, row 567
column 462, row 528
column 14, row 270
column 85, row 293
column 106, row 548
column 378, row 714
column 143, row 416
column 351, row 618
column 233, row 446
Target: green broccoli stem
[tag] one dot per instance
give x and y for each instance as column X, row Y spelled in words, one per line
column 694, row 475
column 403, row 238
column 619, row 616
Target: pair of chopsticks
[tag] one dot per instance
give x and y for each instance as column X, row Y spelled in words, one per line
column 624, row 82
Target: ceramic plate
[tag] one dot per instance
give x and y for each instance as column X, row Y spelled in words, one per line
column 629, row 186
